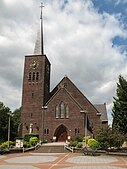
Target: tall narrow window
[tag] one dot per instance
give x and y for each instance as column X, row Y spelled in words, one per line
column 37, row 76
column 29, row 78
column 62, row 110
column 75, row 131
column 67, row 111
column 33, row 76
column 32, row 95
column 57, row 111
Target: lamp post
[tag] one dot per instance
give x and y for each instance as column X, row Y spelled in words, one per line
column 43, row 111
column 86, row 128
column 9, row 123
column 85, row 121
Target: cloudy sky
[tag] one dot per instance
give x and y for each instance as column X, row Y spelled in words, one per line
column 84, row 39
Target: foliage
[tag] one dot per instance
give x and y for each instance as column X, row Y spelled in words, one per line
column 79, row 145
column 33, row 141
column 26, row 144
column 3, row 122
column 16, row 122
column 104, row 138
column 78, row 138
column 108, row 138
column 119, row 111
column 73, row 143
column 28, row 136
column 93, row 144
column 5, row 144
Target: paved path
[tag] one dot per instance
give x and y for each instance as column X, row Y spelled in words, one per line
column 60, row 161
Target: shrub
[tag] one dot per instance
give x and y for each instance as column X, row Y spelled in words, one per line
column 109, row 138
column 26, row 144
column 78, row 138
column 93, row 144
column 28, row 136
column 5, row 144
column 79, row 145
column 33, row 141
column 73, row 143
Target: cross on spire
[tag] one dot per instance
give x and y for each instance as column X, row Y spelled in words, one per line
column 39, row 45
column 41, row 6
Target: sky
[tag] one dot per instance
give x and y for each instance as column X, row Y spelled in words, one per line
column 83, row 39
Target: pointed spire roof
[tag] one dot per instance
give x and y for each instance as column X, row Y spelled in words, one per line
column 39, row 46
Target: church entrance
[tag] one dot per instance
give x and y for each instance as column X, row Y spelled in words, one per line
column 61, row 133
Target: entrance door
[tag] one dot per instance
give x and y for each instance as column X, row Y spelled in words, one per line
column 61, row 133
column 62, row 137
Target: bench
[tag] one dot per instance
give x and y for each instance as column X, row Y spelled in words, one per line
column 89, row 151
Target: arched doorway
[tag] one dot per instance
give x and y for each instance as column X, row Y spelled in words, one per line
column 61, row 133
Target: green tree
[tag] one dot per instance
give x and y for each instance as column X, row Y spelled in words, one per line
column 104, row 137
column 3, row 122
column 15, row 122
column 119, row 111
column 110, row 138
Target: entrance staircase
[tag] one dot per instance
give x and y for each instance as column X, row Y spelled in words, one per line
column 57, row 147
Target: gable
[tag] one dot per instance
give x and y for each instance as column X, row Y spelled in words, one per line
column 61, row 95
column 102, row 109
column 75, row 93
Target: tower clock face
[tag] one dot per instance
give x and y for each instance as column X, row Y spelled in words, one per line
column 34, row 65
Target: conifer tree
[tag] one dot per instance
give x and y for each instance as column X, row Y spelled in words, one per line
column 119, row 111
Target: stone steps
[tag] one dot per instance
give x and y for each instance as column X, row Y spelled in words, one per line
column 51, row 149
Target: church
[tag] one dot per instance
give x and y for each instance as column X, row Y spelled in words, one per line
column 60, row 114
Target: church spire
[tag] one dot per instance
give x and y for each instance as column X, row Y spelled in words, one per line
column 39, row 45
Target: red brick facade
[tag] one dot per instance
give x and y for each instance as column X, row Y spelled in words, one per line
column 36, row 86
column 57, row 114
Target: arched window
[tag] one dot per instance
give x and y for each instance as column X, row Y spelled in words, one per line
column 37, row 76
column 62, row 110
column 33, row 76
column 67, row 111
column 57, row 112
column 29, row 78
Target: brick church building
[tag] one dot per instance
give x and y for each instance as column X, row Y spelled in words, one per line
column 59, row 114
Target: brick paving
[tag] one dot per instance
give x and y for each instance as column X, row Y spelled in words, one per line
column 61, row 161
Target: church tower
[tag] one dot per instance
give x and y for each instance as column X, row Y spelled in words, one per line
column 36, row 87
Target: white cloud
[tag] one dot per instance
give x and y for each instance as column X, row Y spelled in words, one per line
column 78, row 42
column 120, row 1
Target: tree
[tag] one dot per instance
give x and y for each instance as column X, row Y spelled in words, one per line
column 110, row 138
column 15, row 122
column 103, row 137
column 119, row 111
column 4, row 122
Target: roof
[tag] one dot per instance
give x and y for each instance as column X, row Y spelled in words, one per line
column 102, row 109
column 81, row 99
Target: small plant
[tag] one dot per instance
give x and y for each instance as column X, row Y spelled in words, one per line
column 79, row 145
column 93, row 144
column 78, row 138
column 5, row 144
column 73, row 143
column 28, row 136
column 33, row 141
column 26, row 144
